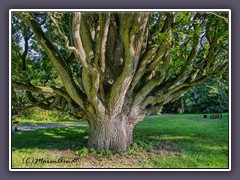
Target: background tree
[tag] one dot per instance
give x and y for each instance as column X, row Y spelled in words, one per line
column 209, row 97
column 111, row 67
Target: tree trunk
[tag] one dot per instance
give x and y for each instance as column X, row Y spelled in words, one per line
column 114, row 133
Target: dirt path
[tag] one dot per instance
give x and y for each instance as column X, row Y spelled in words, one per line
column 45, row 126
column 158, row 116
column 219, row 121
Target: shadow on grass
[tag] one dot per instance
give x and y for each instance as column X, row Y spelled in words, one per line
column 183, row 136
column 54, row 138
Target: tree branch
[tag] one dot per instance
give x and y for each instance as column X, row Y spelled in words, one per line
column 60, row 31
column 41, row 89
column 103, row 43
column 32, row 105
column 56, row 101
column 141, row 69
column 222, row 17
column 174, row 93
column 132, row 52
column 79, row 50
column 91, row 89
column 56, row 59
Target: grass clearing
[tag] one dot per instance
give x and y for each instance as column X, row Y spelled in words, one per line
column 175, row 141
column 38, row 116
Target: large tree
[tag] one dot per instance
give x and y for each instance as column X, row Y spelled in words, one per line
column 110, row 67
column 209, row 97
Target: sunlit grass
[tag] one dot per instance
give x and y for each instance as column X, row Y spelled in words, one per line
column 38, row 116
column 176, row 141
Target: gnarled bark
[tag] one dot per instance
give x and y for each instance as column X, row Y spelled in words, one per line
column 111, row 132
column 126, row 64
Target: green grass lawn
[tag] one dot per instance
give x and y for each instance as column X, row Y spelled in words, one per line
column 28, row 122
column 37, row 116
column 175, row 141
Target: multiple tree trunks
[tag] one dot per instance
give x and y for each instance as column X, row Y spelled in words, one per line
column 126, row 63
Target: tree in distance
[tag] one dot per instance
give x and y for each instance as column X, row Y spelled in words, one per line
column 111, row 67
